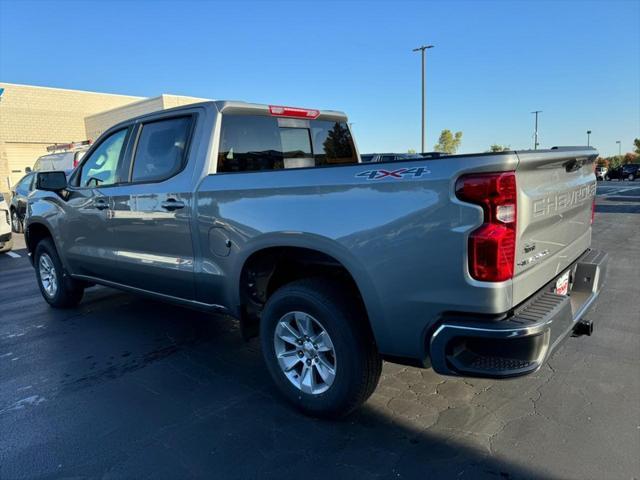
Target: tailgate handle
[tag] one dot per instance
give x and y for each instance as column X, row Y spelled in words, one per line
column 574, row 164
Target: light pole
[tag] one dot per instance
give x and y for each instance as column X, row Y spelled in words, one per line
column 588, row 139
column 619, row 148
column 535, row 134
column 422, row 50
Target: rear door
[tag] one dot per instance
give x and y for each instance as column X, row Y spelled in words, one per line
column 556, row 191
column 151, row 212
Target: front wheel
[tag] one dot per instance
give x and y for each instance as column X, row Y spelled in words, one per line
column 319, row 348
column 16, row 223
column 58, row 289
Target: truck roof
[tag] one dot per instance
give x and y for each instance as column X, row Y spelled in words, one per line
column 236, row 106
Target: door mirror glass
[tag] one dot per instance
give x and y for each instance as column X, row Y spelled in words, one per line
column 51, row 181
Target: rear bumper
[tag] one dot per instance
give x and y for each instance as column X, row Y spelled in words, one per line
column 521, row 343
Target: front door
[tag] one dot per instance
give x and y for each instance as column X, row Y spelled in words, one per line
column 85, row 236
column 151, row 214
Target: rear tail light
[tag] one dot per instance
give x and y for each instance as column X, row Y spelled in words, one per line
column 278, row 111
column 492, row 246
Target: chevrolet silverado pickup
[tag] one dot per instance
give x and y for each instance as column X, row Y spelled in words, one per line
column 473, row 265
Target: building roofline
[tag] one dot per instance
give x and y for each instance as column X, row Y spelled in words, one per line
column 70, row 90
column 122, row 107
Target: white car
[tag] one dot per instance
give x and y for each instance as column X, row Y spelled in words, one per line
column 6, row 242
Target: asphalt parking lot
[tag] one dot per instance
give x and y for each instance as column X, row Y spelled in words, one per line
column 125, row 387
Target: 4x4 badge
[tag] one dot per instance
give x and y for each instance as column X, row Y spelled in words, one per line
column 394, row 174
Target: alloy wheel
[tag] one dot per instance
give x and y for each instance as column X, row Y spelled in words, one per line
column 48, row 275
column 305, row 352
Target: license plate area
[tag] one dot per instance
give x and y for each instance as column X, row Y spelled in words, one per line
column 562, row 284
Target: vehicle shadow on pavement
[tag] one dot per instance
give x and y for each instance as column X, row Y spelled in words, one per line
column 618, row 208
column 174, row 393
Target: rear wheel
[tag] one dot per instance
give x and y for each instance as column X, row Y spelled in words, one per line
column 57, row 288
column 318, row 348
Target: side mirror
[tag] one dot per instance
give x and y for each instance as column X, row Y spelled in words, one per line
column 51, row 181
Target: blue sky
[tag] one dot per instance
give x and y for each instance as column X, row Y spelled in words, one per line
column 494, row 62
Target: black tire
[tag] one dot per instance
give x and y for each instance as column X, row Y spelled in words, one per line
column 68, row 292
column 16, row 224
column 358, row 364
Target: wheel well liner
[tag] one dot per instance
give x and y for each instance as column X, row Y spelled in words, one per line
column 34, row 234
column 264, row 271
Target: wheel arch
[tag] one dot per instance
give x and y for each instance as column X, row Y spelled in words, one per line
column 34, row 233
column 272, row 260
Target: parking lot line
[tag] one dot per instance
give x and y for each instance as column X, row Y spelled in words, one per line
column 14, row 255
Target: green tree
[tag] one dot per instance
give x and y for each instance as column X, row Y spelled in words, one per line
column 337, row 145
column 448, row 142
column 636, row 143
column 499, row 148
column 615, row 161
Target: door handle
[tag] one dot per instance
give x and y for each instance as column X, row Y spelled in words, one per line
column 172, row 204
column 101, row 204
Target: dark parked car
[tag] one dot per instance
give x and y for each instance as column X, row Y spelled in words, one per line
column 18, row 205
column 630, row 172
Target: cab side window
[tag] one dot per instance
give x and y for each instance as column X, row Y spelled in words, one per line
column 101, row 168
column 161, row 149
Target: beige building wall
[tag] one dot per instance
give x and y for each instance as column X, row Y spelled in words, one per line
column 31, row 118
column 97, row 124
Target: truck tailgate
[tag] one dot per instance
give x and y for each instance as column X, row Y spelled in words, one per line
column 556, row 190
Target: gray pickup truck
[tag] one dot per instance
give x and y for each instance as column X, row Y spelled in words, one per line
column 473, row 265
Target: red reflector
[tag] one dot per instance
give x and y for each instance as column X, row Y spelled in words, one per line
column 293, row 112
column 492, row 246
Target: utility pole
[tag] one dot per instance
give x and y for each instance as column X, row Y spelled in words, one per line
column 619, row 147
column 588, row 139
column 535, row 134
column 422, row 51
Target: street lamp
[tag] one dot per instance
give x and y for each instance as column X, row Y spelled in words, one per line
column 588, row 135
column 422, row 50
column 619, row 147
column 535, row 134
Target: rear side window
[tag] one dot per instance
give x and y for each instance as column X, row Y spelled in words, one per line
column 161, row 149
column 253, row 142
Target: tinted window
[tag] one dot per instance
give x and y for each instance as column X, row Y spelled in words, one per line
column 24, row 186
column 101, row 167
column 251, row 142
column 161, row 149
